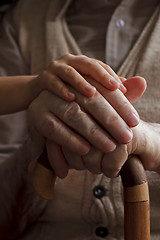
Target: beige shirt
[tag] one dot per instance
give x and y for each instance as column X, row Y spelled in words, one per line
column 85, row 206
column 107, row 30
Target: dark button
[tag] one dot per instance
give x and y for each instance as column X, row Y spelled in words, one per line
column 99, row 191
column 102, row 232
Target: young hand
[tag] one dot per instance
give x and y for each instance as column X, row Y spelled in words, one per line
column 70, row 69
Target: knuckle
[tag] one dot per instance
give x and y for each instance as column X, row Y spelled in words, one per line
column 100, row 62
column 113, row 162
column 107, row 66
column 66, row 57
column 83, row 57
column 72, row 111
column 106, row 76
column 93, row 130
column 68, row 70
column 62, row 90
column 89, row 63
column 53, row 64
column 110, row 172
column 49, row 126
column 91, row 101
column 112, row 118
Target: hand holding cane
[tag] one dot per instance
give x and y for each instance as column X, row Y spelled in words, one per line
column 136, row 194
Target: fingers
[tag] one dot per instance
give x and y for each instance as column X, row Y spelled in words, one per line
column 98, row 162
column 112, row 73
column 112, row 163
column 54, row 84
column 108, row 163
column 120, row 103
column 69, row 69
column 106, row 115
column 57, row 159
column 69, row 75
column 92, row 68
column 73, row 116
column 92, row 160
column 74, row 161
column 136, row 86
column 46, row 124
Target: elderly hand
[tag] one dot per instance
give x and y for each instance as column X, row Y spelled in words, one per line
column 111, row 162
column 145, row 144
column 54, row 119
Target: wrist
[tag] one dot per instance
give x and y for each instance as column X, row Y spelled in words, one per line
column 35, row 87
column 147, row 142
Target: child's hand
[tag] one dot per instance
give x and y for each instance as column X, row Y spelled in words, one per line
column 69, row 69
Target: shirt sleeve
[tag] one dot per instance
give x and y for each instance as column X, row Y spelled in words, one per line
column 13, row 127
column 11, row 59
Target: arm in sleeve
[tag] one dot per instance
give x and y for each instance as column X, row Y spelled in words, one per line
column 19, row 205
column 11, row 59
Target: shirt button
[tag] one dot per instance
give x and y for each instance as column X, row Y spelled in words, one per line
column 99, row 191
column 120, row 23
column 102, row 232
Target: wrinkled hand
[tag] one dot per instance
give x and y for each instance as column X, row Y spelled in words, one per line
column 54, row 119
column 110, row 163
column 145, row 144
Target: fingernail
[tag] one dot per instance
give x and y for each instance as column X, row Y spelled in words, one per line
column 70, row 95
column 84, row 149
column 123, row 88
column 133, row 119
column 127, row 136
column 109, row 146
column 90, row 90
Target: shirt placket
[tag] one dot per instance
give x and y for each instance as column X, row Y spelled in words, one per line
column 115, row 37
column 101, row 207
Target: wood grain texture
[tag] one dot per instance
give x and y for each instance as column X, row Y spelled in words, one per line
column 136, row 201
column 137, row 221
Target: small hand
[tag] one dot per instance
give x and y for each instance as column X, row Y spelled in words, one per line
column 68, row 70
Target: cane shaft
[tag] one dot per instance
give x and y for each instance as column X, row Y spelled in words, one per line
column 136, row 195
column 44, row 177
column 136, row 201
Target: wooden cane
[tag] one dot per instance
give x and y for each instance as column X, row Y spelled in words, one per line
column 136, row 194
column 136, row 201
column 44, row 177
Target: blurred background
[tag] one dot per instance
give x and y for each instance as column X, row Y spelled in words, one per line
column 5, row 5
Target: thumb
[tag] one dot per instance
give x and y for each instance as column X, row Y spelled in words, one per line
column 136, row 86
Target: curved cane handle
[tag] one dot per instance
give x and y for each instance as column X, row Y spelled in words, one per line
column 136, row 195
column 44, row 177
column 136, row 201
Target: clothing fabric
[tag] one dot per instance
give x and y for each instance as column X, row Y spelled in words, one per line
column 100, row 27
column 41, row 34
column 88, row 22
